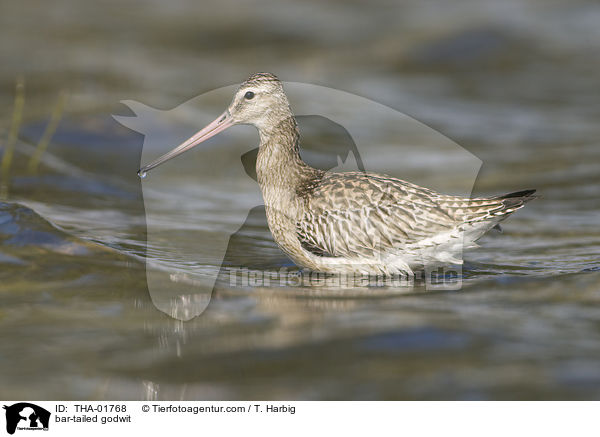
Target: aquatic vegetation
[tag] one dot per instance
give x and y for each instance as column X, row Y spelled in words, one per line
column 42, row 145
column 13, row 133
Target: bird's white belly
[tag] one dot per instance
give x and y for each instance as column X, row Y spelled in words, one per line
column 442, row 249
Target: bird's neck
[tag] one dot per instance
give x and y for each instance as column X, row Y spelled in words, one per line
column 279, row 166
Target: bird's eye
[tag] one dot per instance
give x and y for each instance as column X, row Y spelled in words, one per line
column 249, row 95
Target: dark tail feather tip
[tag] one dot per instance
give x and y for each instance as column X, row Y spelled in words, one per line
column 518, row 198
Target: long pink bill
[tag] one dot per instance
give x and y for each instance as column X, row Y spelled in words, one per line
column 219, row 125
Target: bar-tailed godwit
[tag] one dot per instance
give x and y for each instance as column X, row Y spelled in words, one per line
column 352, row 222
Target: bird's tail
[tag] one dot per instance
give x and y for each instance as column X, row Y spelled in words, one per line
column 496, row 208
column 516, row 200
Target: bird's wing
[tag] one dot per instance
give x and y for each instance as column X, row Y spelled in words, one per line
column 359, row 214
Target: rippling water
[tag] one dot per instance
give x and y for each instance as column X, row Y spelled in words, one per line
column 514, row 83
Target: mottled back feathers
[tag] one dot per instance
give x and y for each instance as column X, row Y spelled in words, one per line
column 359, row 214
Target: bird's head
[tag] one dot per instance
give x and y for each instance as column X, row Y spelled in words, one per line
column 259, row 101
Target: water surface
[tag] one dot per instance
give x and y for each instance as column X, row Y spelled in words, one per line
column 513, row 83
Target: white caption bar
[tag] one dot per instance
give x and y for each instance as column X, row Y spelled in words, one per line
column 154, row 418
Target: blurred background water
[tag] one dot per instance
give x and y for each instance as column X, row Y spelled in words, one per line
column 514, row 82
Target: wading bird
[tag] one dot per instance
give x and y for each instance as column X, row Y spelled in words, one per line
column 355, row 222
